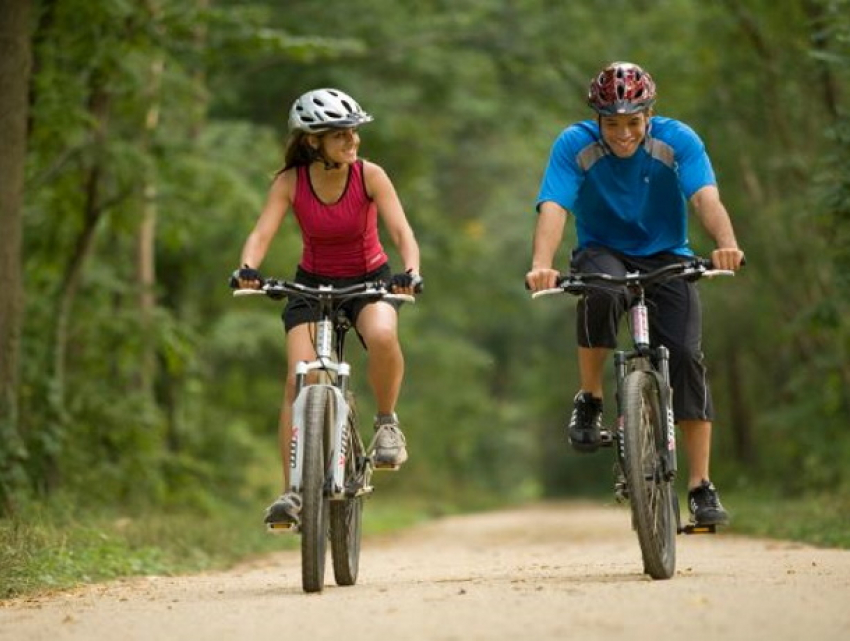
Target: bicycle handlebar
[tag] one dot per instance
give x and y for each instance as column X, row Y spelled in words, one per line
column 275, row 288
column 578, row 282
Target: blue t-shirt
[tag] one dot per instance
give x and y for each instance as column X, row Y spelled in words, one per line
column 635, row 205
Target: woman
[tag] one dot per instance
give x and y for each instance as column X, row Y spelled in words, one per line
column 336, row 198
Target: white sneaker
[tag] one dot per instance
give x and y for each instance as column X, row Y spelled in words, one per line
column 390, row 445
column 285, row 509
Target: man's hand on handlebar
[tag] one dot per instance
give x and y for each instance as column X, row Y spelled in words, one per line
column 541, row 278
column 730, row 258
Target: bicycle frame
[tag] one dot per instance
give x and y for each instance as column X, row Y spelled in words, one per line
column 326, row 361
column 645, row 433
column 328, row 464
column 334, row 373
column 651, row 359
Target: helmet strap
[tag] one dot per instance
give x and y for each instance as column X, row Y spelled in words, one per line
column 317, row 153
column 646, row 134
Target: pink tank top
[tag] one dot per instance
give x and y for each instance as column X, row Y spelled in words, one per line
column 340, row 239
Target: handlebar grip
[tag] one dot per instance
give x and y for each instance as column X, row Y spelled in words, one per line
column 404, row 298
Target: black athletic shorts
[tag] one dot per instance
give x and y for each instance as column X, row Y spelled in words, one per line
column 675, row 321
column 300, row 309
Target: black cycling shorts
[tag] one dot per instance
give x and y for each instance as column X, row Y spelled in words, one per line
column 300, row 309
column 675, row 320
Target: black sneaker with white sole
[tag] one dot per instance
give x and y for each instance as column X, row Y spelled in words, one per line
column 705, row 507
column 585, row 429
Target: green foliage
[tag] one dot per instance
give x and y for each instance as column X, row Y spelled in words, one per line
column 175, row 108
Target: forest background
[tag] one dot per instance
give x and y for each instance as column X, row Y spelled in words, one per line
column 137, row 142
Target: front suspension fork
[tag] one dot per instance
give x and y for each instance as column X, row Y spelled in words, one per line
column 661, row 357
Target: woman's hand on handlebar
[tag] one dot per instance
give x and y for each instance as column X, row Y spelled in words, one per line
column 246, row 278
column 539, row 278
column 409, row 283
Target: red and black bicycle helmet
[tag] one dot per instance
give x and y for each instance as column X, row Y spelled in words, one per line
column 621, row 88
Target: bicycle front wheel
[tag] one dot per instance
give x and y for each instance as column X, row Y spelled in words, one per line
column 347, row 514
column 651, row 495
column 314, row 511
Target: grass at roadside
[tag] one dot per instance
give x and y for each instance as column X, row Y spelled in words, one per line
column 40, row 553
column 817, row 520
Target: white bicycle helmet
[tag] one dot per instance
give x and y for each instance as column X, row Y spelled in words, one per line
column 322, row 109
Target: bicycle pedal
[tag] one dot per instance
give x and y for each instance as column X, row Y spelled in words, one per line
column 695, row 528
column 386, row 467
column 606, row 438
column 358, row 490
column 282, row 527
column 621, row 493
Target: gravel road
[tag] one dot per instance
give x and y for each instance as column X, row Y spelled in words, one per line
column 554, row 571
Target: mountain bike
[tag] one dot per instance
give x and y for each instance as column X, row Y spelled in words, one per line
column 644, row 435
column 329, row 466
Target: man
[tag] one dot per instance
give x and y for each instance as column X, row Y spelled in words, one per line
column 627, row 179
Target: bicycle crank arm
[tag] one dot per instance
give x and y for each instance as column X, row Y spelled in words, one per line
column 360, row 491
column 353, row 490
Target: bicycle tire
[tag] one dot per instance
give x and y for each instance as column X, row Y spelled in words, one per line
column 315, row 509
column 650, row 495
column 347, row 514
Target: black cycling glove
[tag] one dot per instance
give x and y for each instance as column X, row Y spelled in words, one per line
column 244, row 273
column 407, row 279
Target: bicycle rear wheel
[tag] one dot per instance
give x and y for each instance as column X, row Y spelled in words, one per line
column 651, row 496
column 319, row 411
column 347, row 514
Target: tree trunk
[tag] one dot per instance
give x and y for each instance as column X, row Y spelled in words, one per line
column 147, row 240
column 99, row 101
column 15, row 65
column 172, row 385
column 830, row 88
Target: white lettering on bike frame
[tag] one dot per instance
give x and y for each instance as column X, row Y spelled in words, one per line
column 296, row 454
column 671, row 426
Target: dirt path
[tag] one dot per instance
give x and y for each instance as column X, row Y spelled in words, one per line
column 537, row 573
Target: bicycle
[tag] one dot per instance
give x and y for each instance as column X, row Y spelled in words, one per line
column 644, row 435
column 329, row 466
